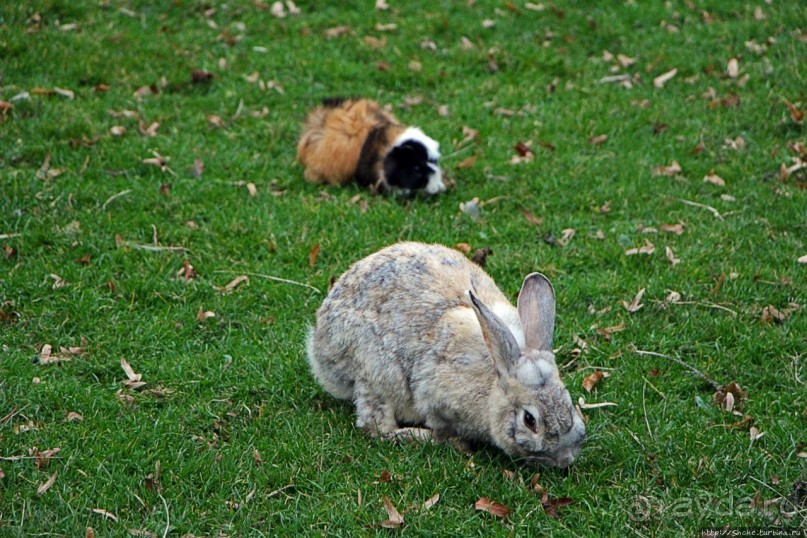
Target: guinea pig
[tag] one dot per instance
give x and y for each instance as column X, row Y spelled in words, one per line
column 345, row 139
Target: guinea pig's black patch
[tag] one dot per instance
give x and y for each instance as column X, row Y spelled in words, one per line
column 406, row 166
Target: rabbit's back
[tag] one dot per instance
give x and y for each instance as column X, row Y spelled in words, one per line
column 383, row 318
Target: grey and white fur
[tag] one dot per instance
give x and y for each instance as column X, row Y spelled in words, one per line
column 427, row 347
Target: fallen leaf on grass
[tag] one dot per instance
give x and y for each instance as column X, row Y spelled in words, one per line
column 117, row 130
column 64, row 92
column 134, row 380
column 465, row 248
column 754, row 433
column 395, row 518
column 234, row 283
column 313, row 255
column 431, row 501
column 770, row 314
column 591, row 380
column 647, row 248
column 203, row 314
column 43, row 458
column 662, row 79
column 730, row 395
column 46, row 355
column 802, row 259
column 597, row 140
column 531, row 218
column 636, row 304
column 672, row 169
column 733, row 68
column 795, row 114
column 551, row 506
column 671, row 256
column 158, row 160
column 72, row 416
column 105, row 513
column 492, row 507
column 198, row 167
column 714, row 179
column 607, row 332
column 467, row 163
column 677, row 229
column 45, row 486
column 187, row 272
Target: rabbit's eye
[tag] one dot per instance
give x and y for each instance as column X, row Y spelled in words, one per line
column 529, row 420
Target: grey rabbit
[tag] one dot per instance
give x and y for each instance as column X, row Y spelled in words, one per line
column 427, row 347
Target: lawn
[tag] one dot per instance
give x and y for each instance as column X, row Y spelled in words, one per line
column 147, row 161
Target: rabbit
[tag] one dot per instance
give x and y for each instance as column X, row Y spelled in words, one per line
column 427, row 347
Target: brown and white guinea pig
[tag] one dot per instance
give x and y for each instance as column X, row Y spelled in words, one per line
column 345, row 139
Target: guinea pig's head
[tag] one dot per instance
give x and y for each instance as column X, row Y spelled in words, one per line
column 412, row 163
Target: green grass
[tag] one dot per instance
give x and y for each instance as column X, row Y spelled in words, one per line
column 231, row 436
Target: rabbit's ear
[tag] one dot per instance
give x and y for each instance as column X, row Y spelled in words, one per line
column 536, row 308
column 499, row 340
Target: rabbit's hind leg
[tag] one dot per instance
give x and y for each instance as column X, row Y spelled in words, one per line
column 373, row 413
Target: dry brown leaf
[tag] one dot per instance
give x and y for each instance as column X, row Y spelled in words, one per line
column 117, row 130
column 337, row 31
column 467, row 163
column 492, row 507
column 754, row 433
column 672, row 170
column 551, row 506
column 607, row 332
column 770, row 314
column 45, row 486
column 531, row 218
column 203, row 314
column 802, row 259
column 795, row 114
column 714, row 179
column 198, row 167
column 72, row 416
column 395, row 518
column 105, row 513
column 252, row 189
column 385, row 477
column 647, row 248
column 431, row 501
column 374, row 42
column 234, row 283
column 677, row 229
column 597, row 140
column 733, row 68
column 592, row 379
column 465, row 248
column 636, row 304
column 313, row 255
column 730, row 395
column 671, row 256
column 89, row 533
column 69, row 94
column 662, row 79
